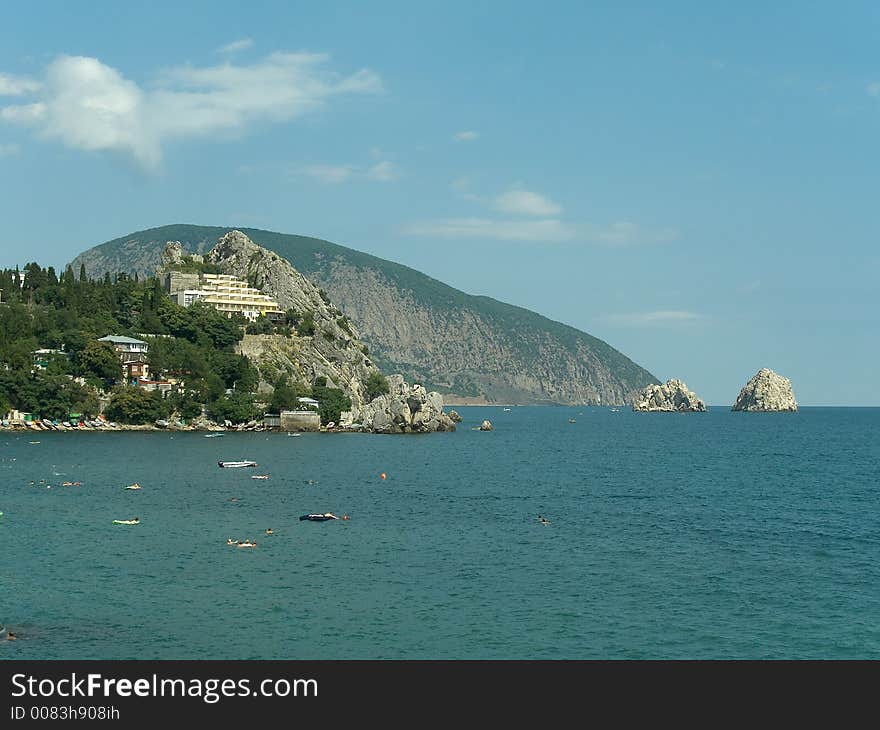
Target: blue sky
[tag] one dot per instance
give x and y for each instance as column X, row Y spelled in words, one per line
column 695, row 185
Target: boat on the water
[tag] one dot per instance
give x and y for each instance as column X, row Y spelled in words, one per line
column 133, row 486
column 260, row 476
column 212, row 435
column 134, row 521
column 319, row 518
column 235, row 464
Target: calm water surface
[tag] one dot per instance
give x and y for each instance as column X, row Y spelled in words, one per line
column 717, row 535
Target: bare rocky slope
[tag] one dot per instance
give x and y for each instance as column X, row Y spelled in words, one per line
column 467, row 347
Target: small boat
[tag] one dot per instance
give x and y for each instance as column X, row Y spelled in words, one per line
column 133, row 486
column 571, row 420
column 246, row 543
column 134, row 521
column 291, row 434
column 506, row 409
column 235, row 464
column 213, row 435
column 260, row 476
column 319, row 518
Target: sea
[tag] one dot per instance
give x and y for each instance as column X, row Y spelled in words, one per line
column 713, row 535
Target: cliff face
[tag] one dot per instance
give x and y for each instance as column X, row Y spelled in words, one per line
column 766, row 391
column 333, row 351
column 671, row 397
column 467, row 347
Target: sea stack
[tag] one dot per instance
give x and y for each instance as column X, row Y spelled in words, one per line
column 767, row 391
column 671, row 397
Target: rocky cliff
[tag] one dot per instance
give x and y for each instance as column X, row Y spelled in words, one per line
column 468, row 347
column 404, row 409
column 673, row 396
column 766, row 391
column 330, row 347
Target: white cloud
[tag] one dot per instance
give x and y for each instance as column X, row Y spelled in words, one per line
column 525, row 202
column 547, row 231
column 88, row 105
column 7, row 150
column 327, row 174
column 466, row 136
column 242, row 44
column 383, row 172
column 17, row 85
column 873, row 88
column 625, row 233
column 659, row 317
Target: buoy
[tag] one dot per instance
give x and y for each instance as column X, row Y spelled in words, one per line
column 382, row 475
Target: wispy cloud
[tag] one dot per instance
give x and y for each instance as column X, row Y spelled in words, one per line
column 383, row 172
column 330, row 174
column 626, row 233
column 88, row 105
column 660, row 317
column 7, row 150
column 327, row 174
column 467, row 136
column 548, row 231
column 873, row 88
column 242, row 44
column 525, row 202
column 17, row 85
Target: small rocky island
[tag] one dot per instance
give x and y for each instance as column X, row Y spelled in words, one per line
column 767, row 391
column 671, row 397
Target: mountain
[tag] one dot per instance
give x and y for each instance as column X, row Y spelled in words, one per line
column 470, row 348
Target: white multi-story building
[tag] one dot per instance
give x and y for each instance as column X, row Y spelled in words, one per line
column 230, row 295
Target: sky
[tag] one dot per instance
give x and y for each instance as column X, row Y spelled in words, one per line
column 695, row 184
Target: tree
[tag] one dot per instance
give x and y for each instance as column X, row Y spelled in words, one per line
column 376, row 385
column 237, row 408
column 98, row 360
column 332, row 402
column 137, row 406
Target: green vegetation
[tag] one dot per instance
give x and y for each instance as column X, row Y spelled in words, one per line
column 190, row 266
column 194, row 346
column 377, row 384
column 306, row 325
column 136, row 406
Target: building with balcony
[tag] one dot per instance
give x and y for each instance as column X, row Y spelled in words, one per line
column 227, row 294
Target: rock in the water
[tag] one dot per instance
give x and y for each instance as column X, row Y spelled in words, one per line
column 486, row 426
column 454, row 416
column 671, row 397
column 767, row 391
column 404, row 409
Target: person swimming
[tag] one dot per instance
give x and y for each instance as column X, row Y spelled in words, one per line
column 269, row 531
column 230, row 541
column 543, row 520
column 10, row 636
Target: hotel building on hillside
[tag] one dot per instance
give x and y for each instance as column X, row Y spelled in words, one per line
column 224, row 292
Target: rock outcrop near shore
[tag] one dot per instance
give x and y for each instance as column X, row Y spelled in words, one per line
column 404, row 409
column 767, row 391
column 671, row 397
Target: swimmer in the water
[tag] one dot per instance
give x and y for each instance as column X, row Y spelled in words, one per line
column 543, row 520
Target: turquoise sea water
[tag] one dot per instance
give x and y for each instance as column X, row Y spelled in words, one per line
column 717, row 535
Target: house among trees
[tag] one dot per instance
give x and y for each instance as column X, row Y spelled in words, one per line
column 129, row 349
